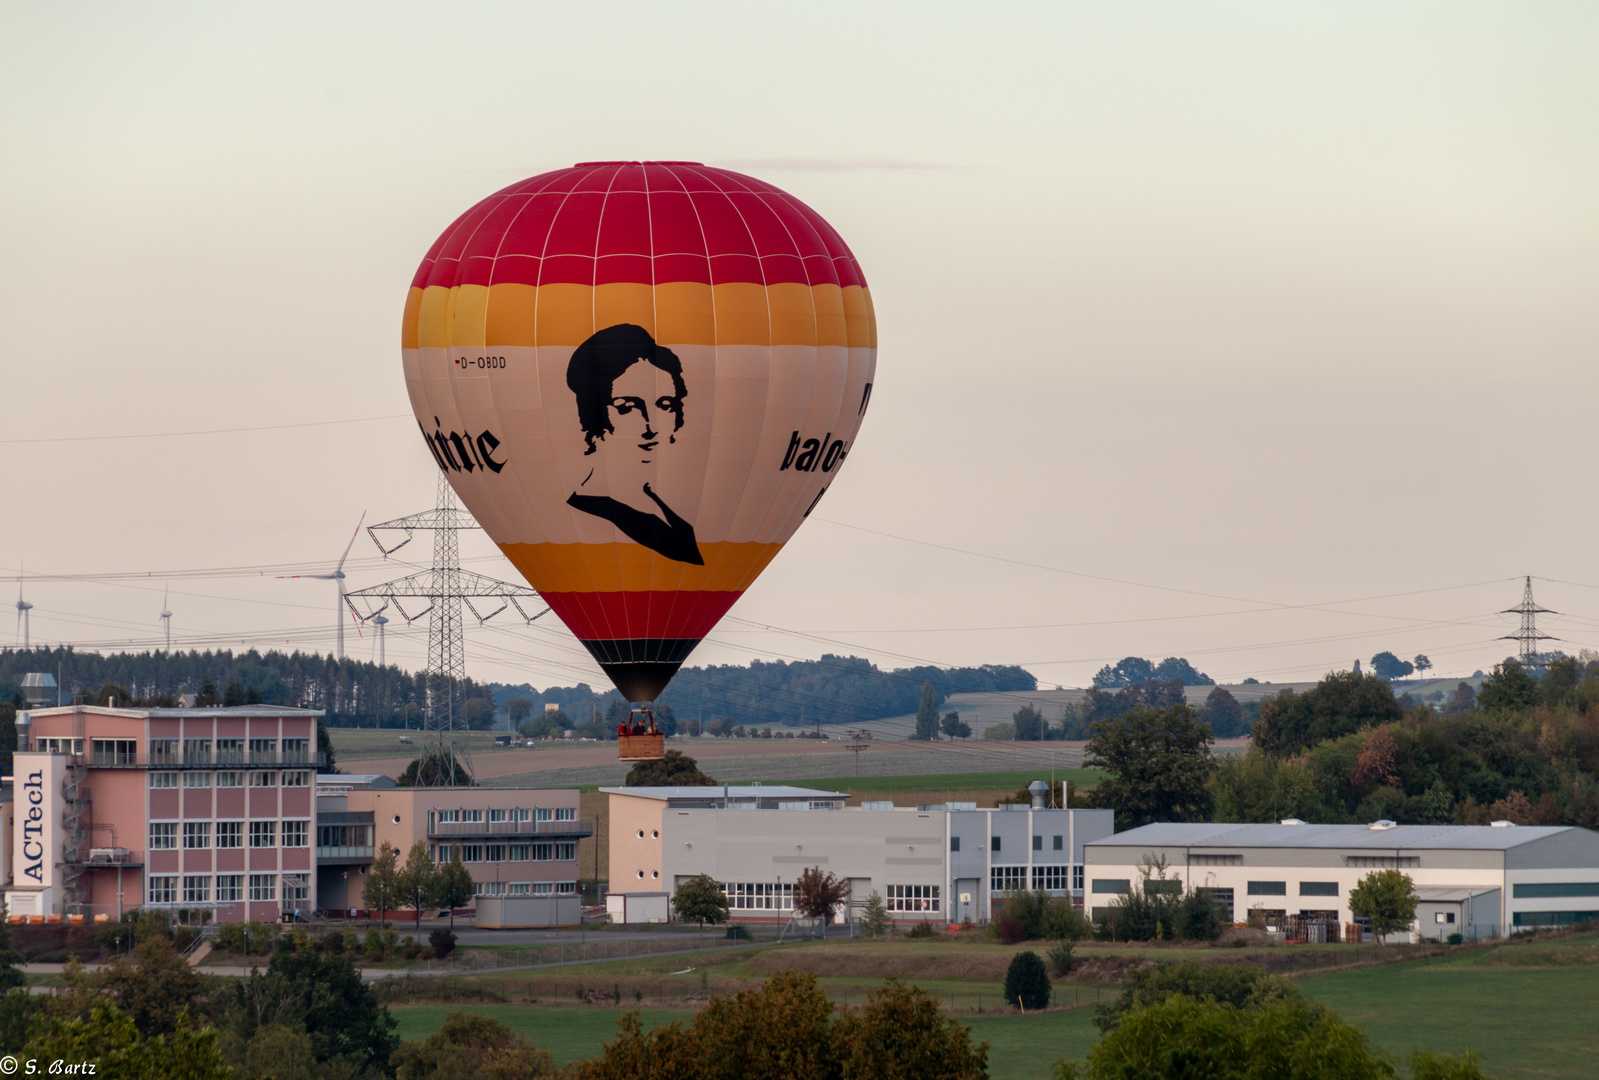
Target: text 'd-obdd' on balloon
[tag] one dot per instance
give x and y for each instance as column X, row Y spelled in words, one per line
column 640, row 377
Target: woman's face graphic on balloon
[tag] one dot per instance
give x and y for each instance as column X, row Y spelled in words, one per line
column 645, row 407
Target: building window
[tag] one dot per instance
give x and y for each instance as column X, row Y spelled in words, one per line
column 1050, row 878
column 913, row 897
column 196, row 834
column 472, row 817
column 164, row 889
column 993, row 843
column 565, row 813
column 1223, row 899
column 263, row 834
column 1387, row 862
column 263, row 886
column 163, row 779
column 569, row 888
column 565, row 852
column 954, row 843
column 1059, row 843
column 495, row 852
column 449, row 817
column 295, row 891
column 230, row 888
column 1112, row 885
column 296, row 779
column 197, row 780
column 263, row 779
column 757, row 895
column 491, row 888
column 519, row 853
column 521, row 814
column 1553, row 918
column 1318, row 888
column 164, row 752
column 296, row 750
column 263, row 751
column 1528, row 890
column 1215, row 860
column 1268, row 888
column 1443, row 917
column 295, row 833
column 496, row 816
column 517, row 888
column 1038, row 843
column 1077, row 878
column 545, row 815
column 163, row 835
column 61, row 746
column 230, row 779
column 114, row 751
column 230, row 834
column 543, row 852
column 1005, row 879
column 230, row 752
column 542, row 888
column 197, row 751
column 471, row 852
column 196, row 889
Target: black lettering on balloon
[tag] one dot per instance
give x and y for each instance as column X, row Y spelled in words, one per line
column 818, row 462
column 814, row 501
column 486, row 445
column 434, row 450
column 463, row 451
column 793, row 447
column 866, row 395
column 835, row 456
column 807, row 459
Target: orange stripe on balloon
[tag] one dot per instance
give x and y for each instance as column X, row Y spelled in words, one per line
column 589, row 568
column 676, row 313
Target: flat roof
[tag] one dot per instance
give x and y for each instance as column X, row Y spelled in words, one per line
column 1230, row 835
column 198, row 710
column 731, row 791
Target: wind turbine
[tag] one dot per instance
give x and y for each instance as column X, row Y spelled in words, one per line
column 338, row 577
column 380, row 622
column 166, row 618
column 23, row 607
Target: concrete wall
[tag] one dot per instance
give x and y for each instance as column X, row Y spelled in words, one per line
column 518, row 912
column 635, row 843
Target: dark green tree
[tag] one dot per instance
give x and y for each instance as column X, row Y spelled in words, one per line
column 902, row 1034
column 1223, row 713
column 1508, row 688
column 382, row 889
column 1158, row 763
column 233, row 695
column 478, row 714
column 417, row 882
column 207, row 695
column 954, row 727
column 676, row 769
column 1387, row 899
column 324, row 746
column 1422, row 664
column 1027, row 981
column 10, row 977
column 927, row 714
column 341, row 1013
column 1464, row 699
column 519, row 709
column 1389, row 667
column 454, row 886
column 1341, row 704
column 472, row 1047
column 1029, row 723
column 700, row 899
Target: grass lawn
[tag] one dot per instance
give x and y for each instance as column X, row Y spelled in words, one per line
column 973, row 781
column 567, row 1031
column 1526, row 1021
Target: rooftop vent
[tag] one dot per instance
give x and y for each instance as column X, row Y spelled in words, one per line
column 1291, row 821
column 38, row 688
column 1381, row 825
column 1503, row 824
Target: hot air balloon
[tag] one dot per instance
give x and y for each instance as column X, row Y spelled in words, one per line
column 640, row 378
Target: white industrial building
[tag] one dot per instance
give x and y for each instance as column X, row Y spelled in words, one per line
column 944, row 863
column 1476, row 880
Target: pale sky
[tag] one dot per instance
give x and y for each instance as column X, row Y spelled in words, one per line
column 1284, row 317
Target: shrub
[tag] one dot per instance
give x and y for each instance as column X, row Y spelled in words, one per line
column 737, row 932
column 1060, row 960
column 391, row 942
column 1455, row 938
column 232, row 936
column 923, row 929
column 1236, row 985
column 374, row 944
column 333, row 942
column 1063, row 922
column 413, row 950
column 443, row 942
column 1008, row 928
column 1026, row 981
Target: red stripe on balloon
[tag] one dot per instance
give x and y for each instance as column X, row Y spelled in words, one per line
column 620, row 616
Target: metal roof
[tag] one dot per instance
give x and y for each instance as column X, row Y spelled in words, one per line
column 731, row 791
column 1421, row 837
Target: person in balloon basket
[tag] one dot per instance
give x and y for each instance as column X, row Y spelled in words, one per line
column 615, row 376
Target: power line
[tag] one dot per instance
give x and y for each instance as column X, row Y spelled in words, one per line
column 205, row 431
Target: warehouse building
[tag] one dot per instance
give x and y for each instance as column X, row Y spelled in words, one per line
column 1475, row 880
column 945, row 863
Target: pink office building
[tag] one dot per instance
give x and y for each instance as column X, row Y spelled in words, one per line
column 195, row 809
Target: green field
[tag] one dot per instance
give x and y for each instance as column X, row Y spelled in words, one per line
column 972, row 781
column 1528, row 1009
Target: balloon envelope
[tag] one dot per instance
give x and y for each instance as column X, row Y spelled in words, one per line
column 640, row 378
